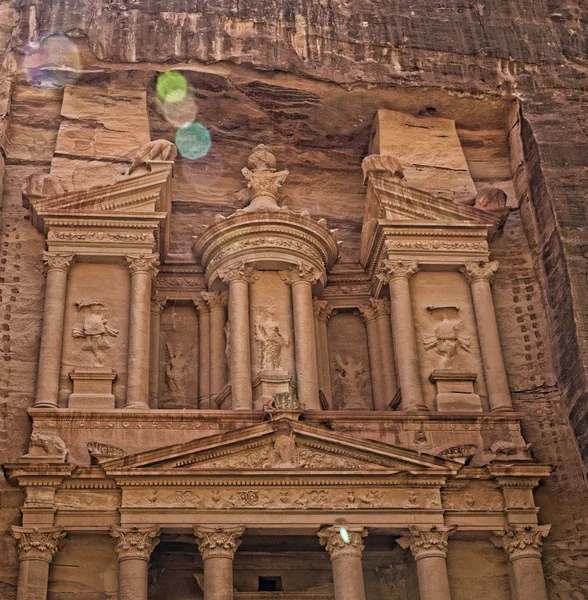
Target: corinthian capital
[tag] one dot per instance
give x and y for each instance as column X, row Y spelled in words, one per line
column 368, row 313
column 392, row 269
column 215, row 299
column 322, row 310
column 57, row 260
column 239, row 271
column 381, row 306
column 218, row 542
column 135, row 542
column 474, row 270
column 142, row 263
column 426, row 541
column 37, row 543
column 521, row 542
column 338, row 543
column 300, row 273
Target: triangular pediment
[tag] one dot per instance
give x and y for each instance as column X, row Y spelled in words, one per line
column 281, row 445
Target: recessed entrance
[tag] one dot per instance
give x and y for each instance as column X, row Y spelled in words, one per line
column 270, row 583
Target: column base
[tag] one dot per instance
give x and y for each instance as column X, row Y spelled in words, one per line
column 45, row 404
column 136, row 406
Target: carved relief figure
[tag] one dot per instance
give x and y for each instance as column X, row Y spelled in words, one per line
column 350, row 378
column 176, row 369
column 94, row 328
column 270, row 342
column 447, row 340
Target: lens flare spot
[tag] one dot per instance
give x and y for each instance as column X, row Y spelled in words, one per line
column 172, row 86
column 182, row 112
column 344, row 534
column 193, row 140
column 52, row 62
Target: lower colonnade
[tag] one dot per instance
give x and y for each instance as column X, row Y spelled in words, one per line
column 429, row 545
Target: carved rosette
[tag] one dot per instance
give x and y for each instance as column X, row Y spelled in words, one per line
column 57, row 260
column 219, row 542
column 337, row 547
column 142, row 263
column 394, row 269
column 427, row 541
column 300, row 273
column 37, row 543
column 479, row 270
column 216, row 300
column 135, row 543
column 521, row 542
column 239, row 272
column 381, row 306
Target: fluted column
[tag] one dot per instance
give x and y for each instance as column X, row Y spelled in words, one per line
column 382, row 308
column 370, row 319
column 217, row 306
column 346, row 560
column 397, row 274
column 154, row 344
column 301, row 279
column 479, row 275
column 203, row 354
column 134, row 546
column 218, row 546
column 428, row 545
column 523, row 545
column 143, row 269
column 57, row 267
column 36, row 548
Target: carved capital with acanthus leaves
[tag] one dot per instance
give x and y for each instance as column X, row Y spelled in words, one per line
column 367, row 313
column 37, row 543
column 475, row 271
column 142, row 263
column 135, row 543
column 322, row 310
column 218, row 542
column 521, row 542
column 239, row 272
column 341, row 544
column 394, row 269
column 216, row 300
column 427, row 541
column 157, row 305
column 300, row 273
column 381, row 306
column 57, row 260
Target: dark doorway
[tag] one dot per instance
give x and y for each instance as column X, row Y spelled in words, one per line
column 270, row 584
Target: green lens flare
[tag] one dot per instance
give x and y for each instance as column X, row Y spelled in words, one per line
column 172, row 86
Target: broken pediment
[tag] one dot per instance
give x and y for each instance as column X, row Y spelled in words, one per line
column 282, row 444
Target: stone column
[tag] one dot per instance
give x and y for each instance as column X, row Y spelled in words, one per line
column 301, row 279
column 317, row 306
column 143, row 270
column 239, row 277
column 56, row 268
column 382, row 308
column 370, row 319
column 346, row 560
column 217, row 306
column 134, row 546
column 429, row 548
column 479, row 275
column 523, row 546
column 397, row 274
column 36, row 548
column 154, row 344
column 323, row 349
column 203, row 354
column 218, row 546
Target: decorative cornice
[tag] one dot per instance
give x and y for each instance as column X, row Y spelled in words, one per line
column 216, row 300
column 57, row 260
column 135, row 542
column 37, row 543
column 218, row 542
column 393, row 269
column 426, row 541
column 142, row 263
column 479, row 270
column 239, row 272
column 299, row 274
column 338, row 547
column 521, row 542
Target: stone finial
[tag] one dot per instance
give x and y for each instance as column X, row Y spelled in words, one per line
column 383, row 163
column 521, row 542
column 338, row 543
column 425, row 541
column 262, row 179
column 42, row 185
column 37, row 543
column 135, row 542
column 218, row 542
column 491, row 198
column 158, row 151
column 392, row 269
column 476, row 270
column 300, row 273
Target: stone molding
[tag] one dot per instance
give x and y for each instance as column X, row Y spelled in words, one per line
column 336, row 546
column 239, row 272
column 300, row 273
column 57, row 260
column 427, row 541
column 521, row 542
column 479, row 270
column 142, row 263
column 216, row 300
column 37, row 543
column 135, row 543
column 218, row 542
column 393, row 269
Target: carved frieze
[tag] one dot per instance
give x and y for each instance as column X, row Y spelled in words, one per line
column 101, row 237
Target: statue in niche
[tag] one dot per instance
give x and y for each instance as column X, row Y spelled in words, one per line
column 350, row 379
column 262, row 179
column 270, row 342
column 447, row 340
column 177, row 369
column 94, row 329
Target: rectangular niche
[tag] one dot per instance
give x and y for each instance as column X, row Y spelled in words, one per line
column 349, row 362
column 178, row 357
